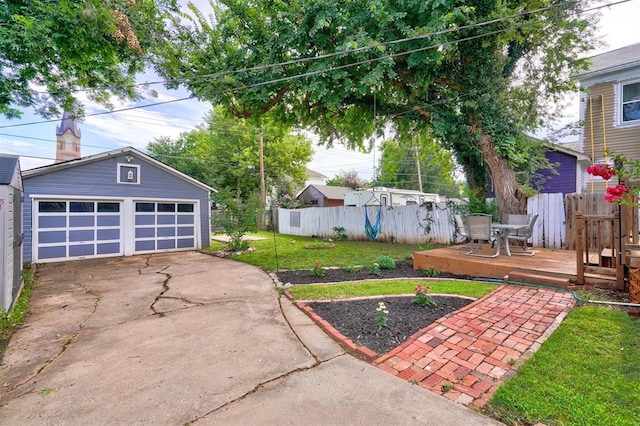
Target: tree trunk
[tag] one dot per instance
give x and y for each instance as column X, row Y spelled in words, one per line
column 505, row 186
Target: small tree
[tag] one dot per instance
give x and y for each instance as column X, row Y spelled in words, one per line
column 239, row 218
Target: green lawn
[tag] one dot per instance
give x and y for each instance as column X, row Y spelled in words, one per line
column 586, row 373
column 391, row 287
column 290, row 252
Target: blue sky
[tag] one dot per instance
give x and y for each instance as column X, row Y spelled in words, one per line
column 35, row 143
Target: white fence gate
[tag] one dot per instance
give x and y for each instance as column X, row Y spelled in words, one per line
column 415, row 224
column 550, row 229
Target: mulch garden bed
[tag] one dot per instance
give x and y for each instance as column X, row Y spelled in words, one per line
column 356, row 319
column 403, row 269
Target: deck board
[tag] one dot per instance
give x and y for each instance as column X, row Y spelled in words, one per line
column 558, row 265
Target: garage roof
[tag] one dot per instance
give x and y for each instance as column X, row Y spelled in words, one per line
column 97, row 157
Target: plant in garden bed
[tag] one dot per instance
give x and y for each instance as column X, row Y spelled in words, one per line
column 386, row 262
column 374, row 269
column 422, row 297
column 317, row 270
column 382, row 316
column 432, row 272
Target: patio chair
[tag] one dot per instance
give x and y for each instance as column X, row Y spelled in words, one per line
column 479, row 228
column 521, row 236
column 462, row 231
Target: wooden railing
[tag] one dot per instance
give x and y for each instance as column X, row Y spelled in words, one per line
column 598, row 248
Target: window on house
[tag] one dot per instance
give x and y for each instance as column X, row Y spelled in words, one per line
column 313, row 202
column 631, row 102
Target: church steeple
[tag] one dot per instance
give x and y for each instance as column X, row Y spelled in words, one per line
column 68, row 139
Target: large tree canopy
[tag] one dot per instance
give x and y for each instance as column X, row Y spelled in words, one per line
column 51, row 50
column 478, row 86
column 225, row 154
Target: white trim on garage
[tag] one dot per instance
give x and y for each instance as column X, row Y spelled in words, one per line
column 183, row 227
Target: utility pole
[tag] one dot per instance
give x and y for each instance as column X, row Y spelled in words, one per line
column 263, row 190
column 419, row 171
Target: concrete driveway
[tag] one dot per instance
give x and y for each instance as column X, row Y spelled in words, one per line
column 188, row 338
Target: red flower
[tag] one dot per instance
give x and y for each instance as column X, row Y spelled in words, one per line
column 614, row 193
column 605, row 172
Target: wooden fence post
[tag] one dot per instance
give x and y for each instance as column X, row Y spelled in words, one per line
column 578, row 244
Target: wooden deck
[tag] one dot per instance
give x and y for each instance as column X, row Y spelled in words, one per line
column 549, row 267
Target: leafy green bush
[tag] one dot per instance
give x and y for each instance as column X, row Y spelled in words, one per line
column 339, row 234
column 386, row 262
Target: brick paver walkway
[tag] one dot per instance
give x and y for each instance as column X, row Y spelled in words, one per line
column 466, row 355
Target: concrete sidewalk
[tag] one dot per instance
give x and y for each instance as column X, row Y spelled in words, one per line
column 188, row 338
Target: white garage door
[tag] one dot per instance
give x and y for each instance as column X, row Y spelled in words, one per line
column 164, row 225
column 76, row 229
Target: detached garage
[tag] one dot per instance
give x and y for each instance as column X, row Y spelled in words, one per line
column 117, row 203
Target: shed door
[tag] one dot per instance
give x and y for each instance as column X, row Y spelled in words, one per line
column 163, row 226
column 77, row 229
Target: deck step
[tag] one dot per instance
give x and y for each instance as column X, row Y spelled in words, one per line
column 539, row 278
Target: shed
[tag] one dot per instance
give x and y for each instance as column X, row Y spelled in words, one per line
column 117, row 203
column 324, row 195
column 10, row 230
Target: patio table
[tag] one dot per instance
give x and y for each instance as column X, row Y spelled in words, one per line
column 502, row 231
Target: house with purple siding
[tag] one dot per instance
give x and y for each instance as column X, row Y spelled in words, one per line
column 570, row 167
column 117, row 203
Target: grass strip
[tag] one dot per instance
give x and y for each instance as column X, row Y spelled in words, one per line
column 9, row 321
column 385, row 288
column 586, row 373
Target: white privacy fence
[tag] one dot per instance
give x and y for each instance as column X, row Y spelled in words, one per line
column 433, row 222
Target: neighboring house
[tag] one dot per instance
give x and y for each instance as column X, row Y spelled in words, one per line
column 380, row 195
column 116, row 203
column 323, row 195
column 315, row 178
column 10, row 230
column 610, row 108
column 570, row 169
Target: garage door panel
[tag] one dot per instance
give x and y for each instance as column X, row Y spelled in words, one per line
column 108, row 234
column 166, row 232
column 186, row 242
column 49, row 237
column 108, row 248
column 81, row 221
column 145, row 245
column 52, row 221
column 166, row 244
column 145, row 219
column 81, row 250
column 186, row 231
column 185, row 219
column 57, row 252
column 108, row 221
column 82, row 235
column 145, row 232
column 166, row 220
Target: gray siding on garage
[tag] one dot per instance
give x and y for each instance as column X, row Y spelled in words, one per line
column 100, row 179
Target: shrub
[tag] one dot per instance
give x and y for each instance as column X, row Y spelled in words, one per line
column 432, row 272
column 339, row 234
column 386, row 262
